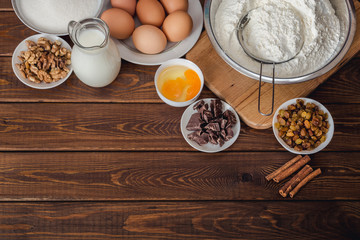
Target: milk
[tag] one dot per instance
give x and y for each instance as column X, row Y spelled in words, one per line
column 97, row 67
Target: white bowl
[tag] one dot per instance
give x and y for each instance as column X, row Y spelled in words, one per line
column 329, row 134
column 209, row 147
column 21, row 14
column 22, row 47
column 182, row 62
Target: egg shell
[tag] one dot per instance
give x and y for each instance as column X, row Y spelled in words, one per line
column 177, row 26
column 120, row 22
column 149, row 39
column 175, row 5
column 150, row 12
column 127, row 5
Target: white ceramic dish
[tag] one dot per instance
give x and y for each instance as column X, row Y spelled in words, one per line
column 22, row 47
column 208, row 148
column 329, row 134
column 129, row 53
column 181, row 62
column 20, row 14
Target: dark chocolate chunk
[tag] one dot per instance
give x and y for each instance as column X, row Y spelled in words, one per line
column 230, row 116
column 213, row 126
column 223, row 133
column 207, row 116
column 229, row 134
column 221, row 141
column 195, row 136
column 205, row 136
column 213, row 137
column 194, row 123
column 223, row 123
column 217, row 107
column 198, row 105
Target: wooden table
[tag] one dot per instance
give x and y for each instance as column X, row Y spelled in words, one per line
column 111, row 163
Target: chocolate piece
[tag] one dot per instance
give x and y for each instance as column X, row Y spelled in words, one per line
column 221, row 141
column 195, row 136
column 207, row 116
column 217, row 107
column 229, row 134
column 213, row 137
column 230, row 116
column 223, row 123
column 223, row 133
column 213, row 126
column 198, row 105
column 194, row 123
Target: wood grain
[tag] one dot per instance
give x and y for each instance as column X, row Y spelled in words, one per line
column 184, row 220
column 140, row 127
column 5, row 5
column 176, row 176
column 13, row 31
column 135, row 84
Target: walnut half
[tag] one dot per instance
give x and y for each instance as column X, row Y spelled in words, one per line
column 44, row 61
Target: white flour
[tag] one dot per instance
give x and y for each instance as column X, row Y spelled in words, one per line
column 54, row 15
column 277, row 33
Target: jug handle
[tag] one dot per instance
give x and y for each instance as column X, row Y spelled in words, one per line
column 71, row 26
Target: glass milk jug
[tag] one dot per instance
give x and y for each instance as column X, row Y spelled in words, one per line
column 95, row 58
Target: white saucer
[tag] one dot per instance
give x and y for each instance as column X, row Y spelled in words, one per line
column 129, row 53
column 209, row 147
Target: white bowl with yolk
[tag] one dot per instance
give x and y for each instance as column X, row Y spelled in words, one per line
column 179, row 82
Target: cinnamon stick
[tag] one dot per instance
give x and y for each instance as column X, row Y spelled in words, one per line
column 305, row 181
column 282, row 168
column 290, row 170
column 284, row 191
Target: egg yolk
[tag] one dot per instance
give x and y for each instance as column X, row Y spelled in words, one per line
column 179, row 84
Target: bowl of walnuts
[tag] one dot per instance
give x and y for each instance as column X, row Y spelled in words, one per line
column 42, row 61
column 303, row 126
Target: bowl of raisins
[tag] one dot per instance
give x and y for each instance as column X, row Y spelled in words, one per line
column 303, row 126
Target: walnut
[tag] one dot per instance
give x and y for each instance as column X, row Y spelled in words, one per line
column 44, row 61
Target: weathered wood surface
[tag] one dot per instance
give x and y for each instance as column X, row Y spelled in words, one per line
column 135, row 84
column 181, row 220
column 84, row 163
column 168, row 176
column 140, row 127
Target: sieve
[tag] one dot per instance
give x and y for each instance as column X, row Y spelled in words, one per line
column 240, row 28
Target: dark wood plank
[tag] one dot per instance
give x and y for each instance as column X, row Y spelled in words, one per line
column 181, row 220
column 343, row 86
column 12, row 32
column 168, row 176
column 135, row 84
column 5, row 5
column 140, row 127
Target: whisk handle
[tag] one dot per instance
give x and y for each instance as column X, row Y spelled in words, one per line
column 273, row 91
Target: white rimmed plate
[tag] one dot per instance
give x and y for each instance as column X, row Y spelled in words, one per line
column 209, row 147
column 129, row 53
column 329, row 134
column 22, row 47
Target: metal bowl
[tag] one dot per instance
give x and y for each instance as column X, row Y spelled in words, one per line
column 20, row 14
column 348, row 32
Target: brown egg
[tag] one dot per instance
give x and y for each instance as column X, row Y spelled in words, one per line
column 149, row 39
column 127, row 5
column 175, row 5
column 177, row 26
column 120, row 22
column 150, row 12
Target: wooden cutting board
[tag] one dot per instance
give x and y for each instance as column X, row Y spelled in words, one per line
column 241, row 92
